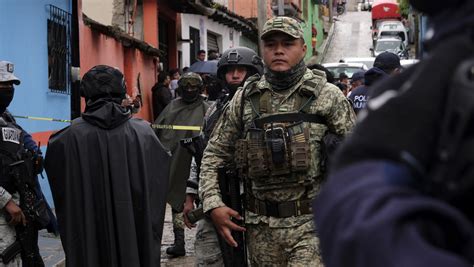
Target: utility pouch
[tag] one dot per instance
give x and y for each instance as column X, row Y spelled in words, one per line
column 256, row 153
column 299, row 147
column 277, row 149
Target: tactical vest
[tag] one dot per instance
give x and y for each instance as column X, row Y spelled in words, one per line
column 11, row 150
column 276, row 151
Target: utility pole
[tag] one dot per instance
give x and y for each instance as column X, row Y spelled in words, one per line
column 281, row 7
column 262, row 18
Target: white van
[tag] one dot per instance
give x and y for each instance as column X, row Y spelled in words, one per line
column 393, row 28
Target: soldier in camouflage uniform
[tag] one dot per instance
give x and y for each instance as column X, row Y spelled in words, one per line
column 234, row 67
column 272, row 133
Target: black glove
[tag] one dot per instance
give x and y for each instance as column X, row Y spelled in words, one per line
column 403, row 117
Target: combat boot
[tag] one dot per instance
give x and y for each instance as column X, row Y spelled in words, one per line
column 177, row 250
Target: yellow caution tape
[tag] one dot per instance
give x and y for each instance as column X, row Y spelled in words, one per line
column 176, row 127
column 154, row 126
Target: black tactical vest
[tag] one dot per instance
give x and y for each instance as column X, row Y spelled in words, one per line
column 11, row 148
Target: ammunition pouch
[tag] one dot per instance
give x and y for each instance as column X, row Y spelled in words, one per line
column 279, row 209
column 281, row 151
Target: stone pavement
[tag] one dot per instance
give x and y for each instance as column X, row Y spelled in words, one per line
column 352, row 37
column 168, row 239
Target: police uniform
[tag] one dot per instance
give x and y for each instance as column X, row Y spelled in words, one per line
column 280, row 158
column 11, row 145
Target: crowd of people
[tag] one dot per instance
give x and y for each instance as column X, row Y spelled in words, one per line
column 260, row 180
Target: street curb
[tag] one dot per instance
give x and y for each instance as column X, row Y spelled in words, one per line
column 325, row 46
column 323, row 49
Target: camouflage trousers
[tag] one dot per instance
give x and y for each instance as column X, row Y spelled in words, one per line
column 208, row 252
column 8, row 236
column 296, row 246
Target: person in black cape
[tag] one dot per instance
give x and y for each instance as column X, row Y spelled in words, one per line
column 108, row 174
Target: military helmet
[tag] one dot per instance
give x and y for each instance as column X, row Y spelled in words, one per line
column 190, row 79
column 103, row 81
column 239, row 56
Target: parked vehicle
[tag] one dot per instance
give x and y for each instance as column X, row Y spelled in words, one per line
column 368, row 61
column 408, row 62
column 383, row 10
column 347, row 68
column 392, row 28
column 390, row 44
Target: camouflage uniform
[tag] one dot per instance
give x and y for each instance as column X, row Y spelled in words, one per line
column 7, row 232
column 277, row 241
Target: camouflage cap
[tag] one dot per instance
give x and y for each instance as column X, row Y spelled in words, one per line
column 190, row 78
column 6, row 73
column 282, row 24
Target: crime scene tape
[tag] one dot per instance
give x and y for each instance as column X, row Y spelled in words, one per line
column 154, row 126
column 176, row 127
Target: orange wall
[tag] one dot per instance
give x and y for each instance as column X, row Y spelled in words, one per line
column 248, row 8
column 97, row 48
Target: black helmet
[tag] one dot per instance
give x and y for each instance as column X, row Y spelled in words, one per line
column 103, row 81
column 240, row 56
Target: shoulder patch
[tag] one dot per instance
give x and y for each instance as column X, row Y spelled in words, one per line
column 11, row 135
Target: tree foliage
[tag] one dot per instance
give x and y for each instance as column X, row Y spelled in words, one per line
column 404, row 7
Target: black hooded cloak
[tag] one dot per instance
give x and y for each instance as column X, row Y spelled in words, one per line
column 108, row 174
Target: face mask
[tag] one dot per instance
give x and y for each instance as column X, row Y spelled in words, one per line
column 6, row 97
column 189, row 96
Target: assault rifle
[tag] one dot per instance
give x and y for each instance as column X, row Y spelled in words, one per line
column 23, row 173
column 229, row 184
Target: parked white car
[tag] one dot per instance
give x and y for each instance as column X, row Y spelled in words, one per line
column 392, row 44
column 347, row 68
column 368, row 61
column 392, row 28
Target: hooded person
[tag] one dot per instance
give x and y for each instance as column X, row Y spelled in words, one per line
column 400, row 190
column 108, row 174
column 187, row 110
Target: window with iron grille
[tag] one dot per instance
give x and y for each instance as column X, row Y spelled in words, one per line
column 59, row 50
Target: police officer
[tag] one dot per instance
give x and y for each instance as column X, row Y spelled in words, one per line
column 14, row 146
column 189, row 109
column 278, row 122
column 401, row 190
column 234, row 67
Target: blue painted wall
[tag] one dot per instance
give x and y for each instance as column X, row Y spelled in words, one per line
column 23, row 41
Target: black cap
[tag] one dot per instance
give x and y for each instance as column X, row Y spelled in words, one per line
column 387, row 61
column 103, row 81
column 358, row 76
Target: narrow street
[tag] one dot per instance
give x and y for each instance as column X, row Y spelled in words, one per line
column 352, row 36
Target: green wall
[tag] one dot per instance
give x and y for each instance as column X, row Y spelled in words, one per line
column 310, row 15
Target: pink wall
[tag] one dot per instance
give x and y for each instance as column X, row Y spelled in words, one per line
column 97, row 48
